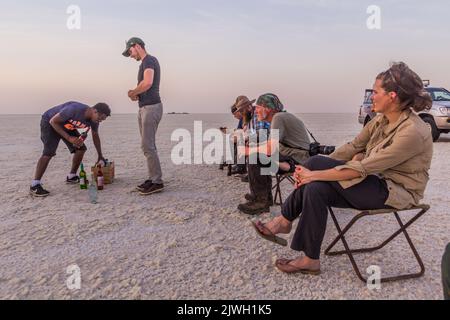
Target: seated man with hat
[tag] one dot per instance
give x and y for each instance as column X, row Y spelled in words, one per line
column 294, row 149
column 243, row 111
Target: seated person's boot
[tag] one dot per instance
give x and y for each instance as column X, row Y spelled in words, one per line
column 250, row 197
column 239, row 169
column 255, row 207
column 245, row 178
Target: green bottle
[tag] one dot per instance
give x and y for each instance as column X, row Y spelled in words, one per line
column 83, row 179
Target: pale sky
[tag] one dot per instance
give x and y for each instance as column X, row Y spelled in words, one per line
column 317, row 55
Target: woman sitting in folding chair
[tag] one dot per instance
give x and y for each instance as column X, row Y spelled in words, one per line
column 386, row 166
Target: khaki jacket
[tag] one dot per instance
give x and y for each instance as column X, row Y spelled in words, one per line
column 400, row 153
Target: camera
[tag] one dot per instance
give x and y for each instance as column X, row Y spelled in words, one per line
column 326, row 150
column 315, row 148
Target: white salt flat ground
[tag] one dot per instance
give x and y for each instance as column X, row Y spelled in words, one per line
column 189, row 242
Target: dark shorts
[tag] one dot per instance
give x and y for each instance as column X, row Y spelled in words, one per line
column 50, row 138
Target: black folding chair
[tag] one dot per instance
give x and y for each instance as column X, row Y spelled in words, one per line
column 278, row 200
column 403, row 226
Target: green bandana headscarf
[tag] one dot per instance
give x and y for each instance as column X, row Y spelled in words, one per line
column 270, row 101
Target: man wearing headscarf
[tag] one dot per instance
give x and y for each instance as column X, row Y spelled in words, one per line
column 294, row 149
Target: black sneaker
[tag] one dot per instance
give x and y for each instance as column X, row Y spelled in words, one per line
column 38, row 191
column 153, row 188
column 74, row 180
column 144, row 186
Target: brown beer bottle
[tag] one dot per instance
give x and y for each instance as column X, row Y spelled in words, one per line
column 84, row 135
column 100, row 178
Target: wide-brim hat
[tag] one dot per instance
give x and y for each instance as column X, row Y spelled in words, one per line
column 241, row 103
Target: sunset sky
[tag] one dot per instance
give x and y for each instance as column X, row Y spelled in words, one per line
column 318, row 56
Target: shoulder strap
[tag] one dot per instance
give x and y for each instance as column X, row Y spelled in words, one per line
column 311, row 135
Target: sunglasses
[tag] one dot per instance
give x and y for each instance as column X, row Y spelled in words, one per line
column 395, row 81
column 129, row 50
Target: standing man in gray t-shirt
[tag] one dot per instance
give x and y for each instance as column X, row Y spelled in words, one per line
column 150, row 111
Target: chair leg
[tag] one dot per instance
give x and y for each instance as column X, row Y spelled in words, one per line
column 291, row 180
column 347, row 248
column 413, row 248
column 341, row 236
column 230, row 166
column 277, row 188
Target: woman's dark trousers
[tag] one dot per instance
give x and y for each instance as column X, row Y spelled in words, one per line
column 310, row 204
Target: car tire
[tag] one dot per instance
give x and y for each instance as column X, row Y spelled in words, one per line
column 435, row 133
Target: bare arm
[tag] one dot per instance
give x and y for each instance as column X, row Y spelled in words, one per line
column 58, row 124
column 265, row 147
column 144, row 85
column 97, row 144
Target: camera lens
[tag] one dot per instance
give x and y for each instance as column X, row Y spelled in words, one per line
column 326, row 150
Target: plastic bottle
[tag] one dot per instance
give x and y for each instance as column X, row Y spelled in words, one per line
column 93, row 194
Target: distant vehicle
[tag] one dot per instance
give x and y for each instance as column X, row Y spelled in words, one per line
column 437, row 118
column 365, row 110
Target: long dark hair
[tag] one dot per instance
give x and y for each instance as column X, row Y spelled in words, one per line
column 408, row 85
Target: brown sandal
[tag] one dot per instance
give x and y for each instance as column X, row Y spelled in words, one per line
column 259, row 227
column 285, row 266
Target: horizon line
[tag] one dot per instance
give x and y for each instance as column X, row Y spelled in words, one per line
column 177, row 113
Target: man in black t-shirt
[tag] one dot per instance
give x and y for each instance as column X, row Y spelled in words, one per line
column 150, row 111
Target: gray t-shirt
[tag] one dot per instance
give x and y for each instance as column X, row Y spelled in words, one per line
column 151, row 96
column 292, row 131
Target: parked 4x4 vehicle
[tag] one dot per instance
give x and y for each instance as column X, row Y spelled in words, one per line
column 438, row 117
column 365, row 110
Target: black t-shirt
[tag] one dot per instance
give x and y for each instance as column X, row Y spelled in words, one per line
column 151, row 96
column 73, row 116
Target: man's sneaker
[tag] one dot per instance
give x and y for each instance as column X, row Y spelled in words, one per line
column 254, row 207
column 74, row 180
column 153, row 188
column 144, row 186
column 38, row 191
